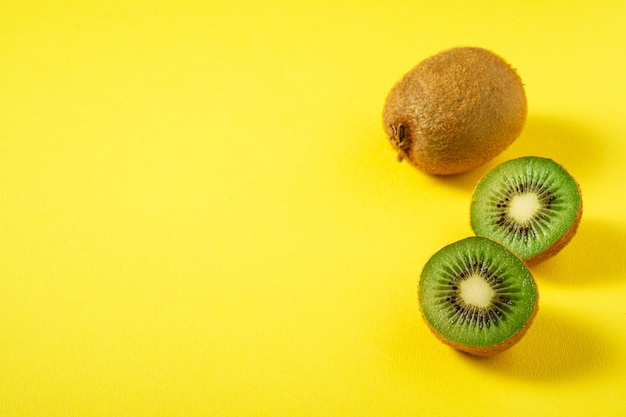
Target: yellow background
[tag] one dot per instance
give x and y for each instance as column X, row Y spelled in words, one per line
column 200, row 214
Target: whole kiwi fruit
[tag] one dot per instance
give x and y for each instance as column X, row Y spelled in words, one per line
column 477, row 296
column 455, row 111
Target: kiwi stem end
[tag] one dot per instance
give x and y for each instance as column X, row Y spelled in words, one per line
column 400, row 140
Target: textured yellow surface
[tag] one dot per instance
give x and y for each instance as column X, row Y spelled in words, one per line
column 200, row 214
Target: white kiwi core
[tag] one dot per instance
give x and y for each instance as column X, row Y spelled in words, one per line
column 524, row 206
column 476, row 291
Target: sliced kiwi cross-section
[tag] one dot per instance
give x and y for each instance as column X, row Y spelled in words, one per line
column 477, row 296
column 531, row 205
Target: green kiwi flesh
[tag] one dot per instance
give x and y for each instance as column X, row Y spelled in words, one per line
column 477, row 296
column 531, row 205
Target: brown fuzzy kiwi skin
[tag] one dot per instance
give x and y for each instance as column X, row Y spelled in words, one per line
column 455, row 111
column 562, row 241
column 489, row 350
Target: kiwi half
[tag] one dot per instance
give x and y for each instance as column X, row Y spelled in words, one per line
column 477, row 296
column 455, row 111
column 532, row 205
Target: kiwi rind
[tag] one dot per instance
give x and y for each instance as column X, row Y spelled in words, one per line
column 513, row 322
column 562, row 212
column 455, row 111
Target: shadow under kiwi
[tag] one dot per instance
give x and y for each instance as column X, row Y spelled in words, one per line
column 570, row 143
column 556, row 348
column 592, row 258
